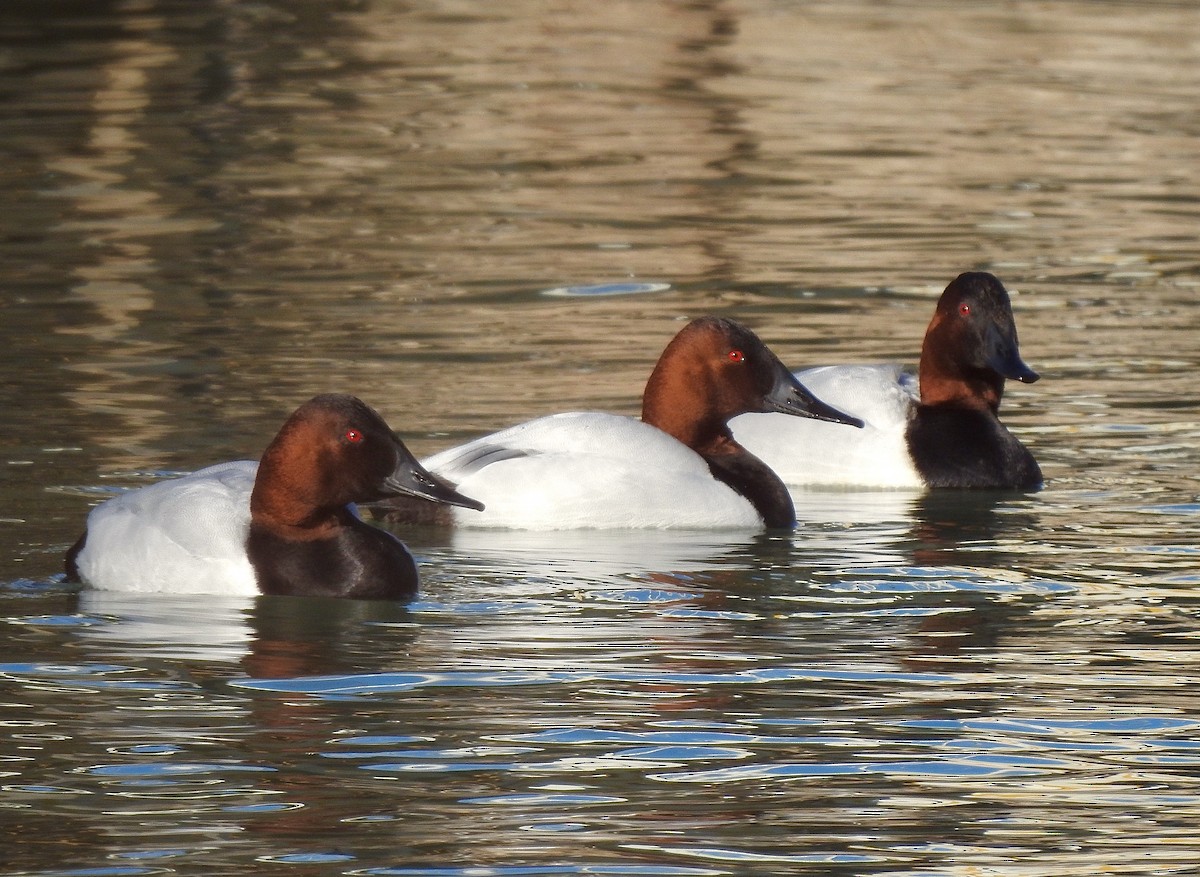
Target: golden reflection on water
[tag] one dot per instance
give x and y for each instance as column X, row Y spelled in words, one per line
column 217, row 209
column 375, row 198
column 379, row 210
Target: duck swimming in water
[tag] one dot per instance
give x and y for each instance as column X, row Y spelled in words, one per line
column 285, row 525
column 678, row 466
column 941, row 429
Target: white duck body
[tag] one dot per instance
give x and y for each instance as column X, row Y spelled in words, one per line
column 186, row 535
column 586, row 469
column 812, row 453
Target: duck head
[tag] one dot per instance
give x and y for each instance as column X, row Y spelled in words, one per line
column 333, row 451
column 971, row 345
column 716, row 369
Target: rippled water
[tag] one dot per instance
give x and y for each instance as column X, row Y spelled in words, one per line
column 470, row 214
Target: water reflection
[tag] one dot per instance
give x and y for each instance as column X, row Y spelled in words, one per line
column 129, row 627
column 887, row 548
column 217, row 209
column 925, row 566
column 261, row 636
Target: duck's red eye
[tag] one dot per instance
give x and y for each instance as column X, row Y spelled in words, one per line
column 736, row 356
column 964, row 309
column 353, row 436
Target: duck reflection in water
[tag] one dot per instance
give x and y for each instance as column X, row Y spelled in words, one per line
column 966, row 531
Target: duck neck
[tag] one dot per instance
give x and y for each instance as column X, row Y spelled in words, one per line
column 284, row 500
column 745, row 474
column 673, row 403
column 945, row 382
column 728, row 461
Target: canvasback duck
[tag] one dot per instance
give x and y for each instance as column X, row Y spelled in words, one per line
column 676, row 467
column 282, row 526
column 944, row 433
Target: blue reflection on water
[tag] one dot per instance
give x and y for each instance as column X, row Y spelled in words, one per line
column 151, row 854
column 88, row 676
column 728, row 855
column 544, row 800
column 605, row 289
column 274, row 807
column 971, row 766
column 681, row 753
column 173, row 769
column 1137, row 724
column 381, row 683
column 945, row 585
column 309, row 858
column 571, row 736
column 530, row 870
column 58, row 621
column 643, row 595
column 74, row 670
column 377, row 740
column 113, row 871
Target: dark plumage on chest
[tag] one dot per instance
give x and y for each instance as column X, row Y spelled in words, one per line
column 969, row 448
column 360, row 562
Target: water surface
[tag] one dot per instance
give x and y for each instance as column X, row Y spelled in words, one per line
column 475, row 214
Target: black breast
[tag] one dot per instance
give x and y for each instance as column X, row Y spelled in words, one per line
column 360, row 562
column 962, row 447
